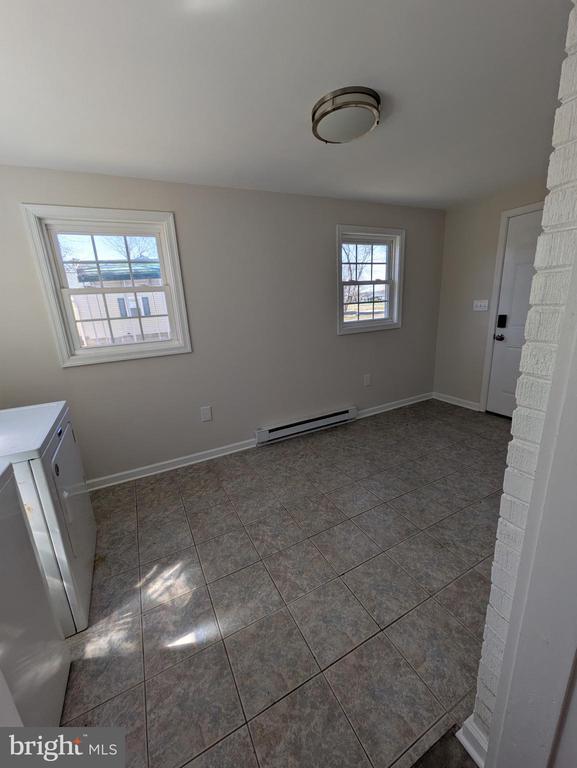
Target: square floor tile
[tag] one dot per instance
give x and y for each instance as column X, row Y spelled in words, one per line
column 385, row 526
column 164, row 579
column 327, row 478
column 253, row 506
column 431, row 564
column 236, row 751
column 213, row 521
column 485, row 567
column 225, row 554
column 114, row 597
column 190, row 707
column 383, row 485
column 204, row 499
column 244, row 597
column 386, row 702
column 354, row 499
column 298, row 570
column 307, row 728
column 315, row 514
column 276, row 530
column 472, row 532
column 384, row 589
column 467, row 599
column 158, row 541
column 116, row 551
column 441, row 651
column 425, row 506
column 332, row 621
column 269, row 659
column 176, row 630
column 345, row 546
column 123, row 711
column 106, row 660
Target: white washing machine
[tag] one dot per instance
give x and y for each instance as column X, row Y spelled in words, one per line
column 34, row 660
column 40, row 443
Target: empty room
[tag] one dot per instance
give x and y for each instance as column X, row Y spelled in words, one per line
column 288, row 376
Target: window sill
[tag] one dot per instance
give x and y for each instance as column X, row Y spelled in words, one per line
column 346, row 330
column 136, row 352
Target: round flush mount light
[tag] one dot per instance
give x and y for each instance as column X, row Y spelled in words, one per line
column 346, row 114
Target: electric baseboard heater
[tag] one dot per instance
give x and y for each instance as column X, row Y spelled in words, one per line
column 302, row 426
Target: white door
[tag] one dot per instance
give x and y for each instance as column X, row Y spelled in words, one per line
column 521, row 242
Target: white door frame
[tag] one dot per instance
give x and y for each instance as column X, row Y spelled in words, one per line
column 506, row 217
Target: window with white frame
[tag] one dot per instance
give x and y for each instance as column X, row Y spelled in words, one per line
column 370, row 270
column 112, row 282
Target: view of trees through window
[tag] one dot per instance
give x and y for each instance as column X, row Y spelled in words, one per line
column 114, row 287
column 365, row 281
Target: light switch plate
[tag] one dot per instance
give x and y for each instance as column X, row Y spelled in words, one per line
column 480, row 305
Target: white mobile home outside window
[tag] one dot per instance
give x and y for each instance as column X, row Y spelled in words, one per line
column 112, row 282
column 370, row 272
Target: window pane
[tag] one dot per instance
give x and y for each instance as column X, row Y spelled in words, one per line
column 365, row 311
column 349, row 271
column 382, row 292
column 379, row 271
column 75, row 247
column 90, row 306
column 110, row 248
column 380, row 253
column 365, row 293
column 350, row 294
column 126, row 331
column 146, row 272
column 351, row 313
column 142, row 248
column 121, row 305
column 364, row 272
column 381, row 310
column 156, row 328
column 348, row 253
column 81, row 274
column 364, row 253
column 96, row 334
column 153, row 303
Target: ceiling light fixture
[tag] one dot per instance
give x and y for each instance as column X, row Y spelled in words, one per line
column 346, row 114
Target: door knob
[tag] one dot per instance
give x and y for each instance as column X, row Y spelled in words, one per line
column 499, row 337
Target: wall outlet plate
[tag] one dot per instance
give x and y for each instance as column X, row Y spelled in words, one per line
column 480, row 305
column 206, row 413
column 367, row 380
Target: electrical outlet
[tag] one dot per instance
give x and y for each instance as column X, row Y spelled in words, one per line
column 367, row 380
column 480, row 305
column 206, row 413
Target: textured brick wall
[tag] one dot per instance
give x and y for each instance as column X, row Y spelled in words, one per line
column 554, row 260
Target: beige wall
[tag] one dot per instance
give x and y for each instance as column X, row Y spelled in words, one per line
column 471, row 234
column 259, row 276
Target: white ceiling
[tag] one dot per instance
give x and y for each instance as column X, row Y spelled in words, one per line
column 220, row 91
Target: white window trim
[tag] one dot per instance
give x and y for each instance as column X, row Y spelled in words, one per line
column 40, row 218
column 373, row 234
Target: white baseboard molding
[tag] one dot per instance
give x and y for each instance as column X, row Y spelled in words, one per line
column 364, row 412
column 224, row 450
column 165, row 466
column 474, row 741
column 470, row 404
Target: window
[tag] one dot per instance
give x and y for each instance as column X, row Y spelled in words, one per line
column 370, row 268
column 112, row 282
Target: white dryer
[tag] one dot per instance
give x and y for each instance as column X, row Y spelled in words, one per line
column 40, row 443
column 34, row 659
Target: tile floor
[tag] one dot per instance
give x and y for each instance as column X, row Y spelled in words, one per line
column 316, row 602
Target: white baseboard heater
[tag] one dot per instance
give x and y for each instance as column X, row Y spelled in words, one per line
column 302, row 426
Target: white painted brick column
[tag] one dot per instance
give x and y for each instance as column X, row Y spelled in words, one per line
column 554, row 261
